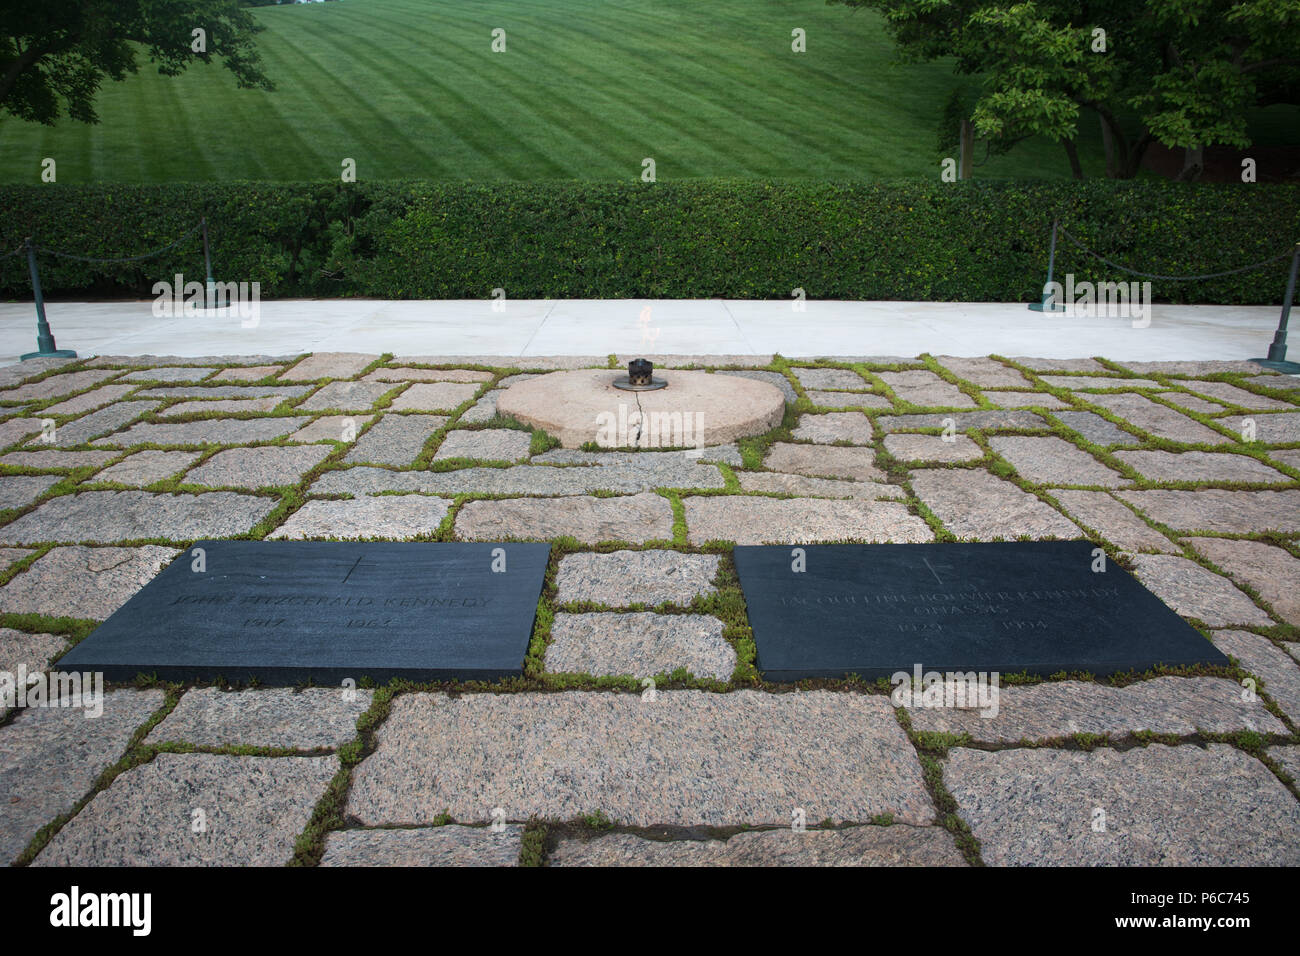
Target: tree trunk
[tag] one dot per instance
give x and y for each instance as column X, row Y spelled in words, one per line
column 1193, row 164
column 1072, row 152
column 967, row 149
column 1108, row 143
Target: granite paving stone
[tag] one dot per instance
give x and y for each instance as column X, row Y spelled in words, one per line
column 925, row 388
column 250, row 373
column 389, row 516
column 51, row 458
column 1025, row 399
column 783, row 383
column 1219, row 509
column 214, row 431
column 18, row 491
column 84, row 582
column 345, row 396
column 332, row 428
column 395, row 439
column 1054, row 461
column 647, row 460
column 408, row 374
column 1096, row 429
column 668, row 472
column 622, row 578
column 1197, row 592
column 425, row 846
column 51, row 756
column 836, row 756
column 803, row 486
column 639, row 644
column 65, row 383
column 1273, row 428
column 485, row 409
column 258, row 467
column 328, row 365
column 1077, row 382
column 146, row 467
column 847, row 399
column 211, row 392
column 1203, row 367
column 748, row 519
column 1287, row 456
column 1159, row 420
column 106, row 420
column 485, row 444
column 1289, row 757
column 95, row 398
column 169, row 373
column 1272, row 571
column 833, row 461
column 1277, row 669
column 1164, row 806
column 253, row 810
column 832, row 427
column 226, row 406
column 1192, row 402
column 11, row 556
column 932, row 448
column 110, row 516
column 19, row 372
column 1061, row 365
column 435, row 396
column 984, row 372
column 832, row 378
column 150, row 361
column 961, row 421
column 307, row 719
column 1199, row 466
column 975, row 505
column 633, row 518
column 1116, row 523
column 33, row 652
column 897, row 845
column 1163, row 705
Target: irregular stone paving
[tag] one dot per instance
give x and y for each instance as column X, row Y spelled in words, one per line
column 1194, row 591
column 687, row 758
column 425, row 846
column 1263, row 658
column 84, row 582
column 128, row 515
column 395, row 439
column 1045, row 807
column 307, row 719
column 1289, row 758
column 1115, row 522
column 146, row 467
column 1164, row 705
column 634, row 518
column 623, row 578
column 639, row 644
column 897, row 845
column 748, row 520
column 1233, row 512
column 1199, row 466
column 742, row 758
column 1270, row 570
column 974, row 504
column 253, row 809
column 1054, row 461
column 51, row 756
column 389, row 516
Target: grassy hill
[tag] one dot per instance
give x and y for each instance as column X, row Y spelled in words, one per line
column 586, row 90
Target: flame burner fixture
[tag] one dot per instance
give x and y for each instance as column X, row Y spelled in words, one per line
column 639, row 377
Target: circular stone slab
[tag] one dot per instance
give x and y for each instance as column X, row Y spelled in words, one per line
column 696, row 409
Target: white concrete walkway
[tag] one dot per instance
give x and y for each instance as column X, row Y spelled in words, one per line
column 671, row 326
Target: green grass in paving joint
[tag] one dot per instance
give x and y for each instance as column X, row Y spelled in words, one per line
column 586, row 89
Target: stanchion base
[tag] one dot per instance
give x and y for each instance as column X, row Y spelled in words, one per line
column 57, row 353
column 1287, row 368
column 1040, row 307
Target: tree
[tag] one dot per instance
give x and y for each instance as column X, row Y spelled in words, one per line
column 1180, row 72
column 55, row 54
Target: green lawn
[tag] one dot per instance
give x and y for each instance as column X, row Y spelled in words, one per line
column 586, row 89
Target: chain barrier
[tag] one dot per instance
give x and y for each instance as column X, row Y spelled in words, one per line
column 147, row 255
column 1150, row 275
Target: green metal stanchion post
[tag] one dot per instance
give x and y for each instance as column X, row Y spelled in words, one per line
column 45, row 347
column 1047, row 305
column 1277, row 350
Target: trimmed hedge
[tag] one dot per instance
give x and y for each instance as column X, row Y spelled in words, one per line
column 905, row 240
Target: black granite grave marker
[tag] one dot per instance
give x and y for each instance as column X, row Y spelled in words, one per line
column 877, row 609
column 285, row 612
